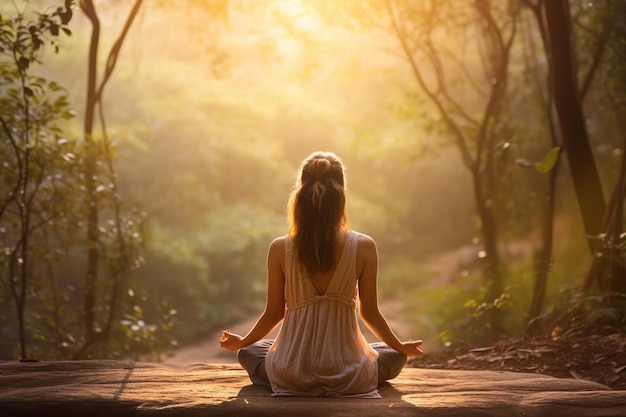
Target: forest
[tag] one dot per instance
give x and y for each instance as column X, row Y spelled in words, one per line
column 148, row 150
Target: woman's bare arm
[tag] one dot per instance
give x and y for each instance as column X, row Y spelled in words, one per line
column 367, row 270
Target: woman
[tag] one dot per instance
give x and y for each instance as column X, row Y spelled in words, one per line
column 315, row 275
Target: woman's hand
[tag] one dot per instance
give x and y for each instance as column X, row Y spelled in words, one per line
column 412, row 348
column 231, row 341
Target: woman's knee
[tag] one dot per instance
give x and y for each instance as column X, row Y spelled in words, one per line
column 252, row 359
column 250, row 356
column 390, row 362
column 398, row 360
column 243, row 356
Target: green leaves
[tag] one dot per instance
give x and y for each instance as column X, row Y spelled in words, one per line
column 65, row 15
column 546, row 164
column 549, row 160
column 25, row 35
column 40, row 178
column 23, row 63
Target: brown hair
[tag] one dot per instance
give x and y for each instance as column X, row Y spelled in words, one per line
column 317, row 211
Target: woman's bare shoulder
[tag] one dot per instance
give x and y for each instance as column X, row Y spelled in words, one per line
column 366, row 246
column 280, row 241
column 276, row 254
column 279, row 245
column 365, row 240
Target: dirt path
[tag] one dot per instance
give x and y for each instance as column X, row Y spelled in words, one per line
column 208, row 350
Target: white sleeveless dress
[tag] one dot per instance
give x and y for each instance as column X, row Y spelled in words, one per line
column 320, row 350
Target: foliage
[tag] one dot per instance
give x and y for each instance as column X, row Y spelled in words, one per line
column 42, row 216
column 460, row 320
column 546, row 164
column 39, row 164
column 587, row 313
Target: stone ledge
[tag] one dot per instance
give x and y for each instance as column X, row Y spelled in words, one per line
column 118, row 388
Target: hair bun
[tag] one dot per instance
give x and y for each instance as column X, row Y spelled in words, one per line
column 322, row 166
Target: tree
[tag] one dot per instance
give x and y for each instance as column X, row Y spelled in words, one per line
column 478, row 124
column 39, row 162
column 542, row 258
column 93, row 174
column 603, row 222
column 571, row 119
column 607, row 29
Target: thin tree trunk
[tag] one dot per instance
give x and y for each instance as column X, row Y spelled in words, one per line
column 25, row 205
column 94, row 98
column 492, row 265
column 91, row 203
column 543, row 256
column 608, row 257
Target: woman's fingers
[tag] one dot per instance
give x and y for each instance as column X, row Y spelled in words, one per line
column 226, row 334
column 417, row 344
column 230, row 341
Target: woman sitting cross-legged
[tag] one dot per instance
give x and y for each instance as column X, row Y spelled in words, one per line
column 316, row 277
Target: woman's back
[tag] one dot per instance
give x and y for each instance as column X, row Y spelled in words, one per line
column 320, row 349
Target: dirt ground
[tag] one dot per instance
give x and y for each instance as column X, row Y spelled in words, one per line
column 599, row 358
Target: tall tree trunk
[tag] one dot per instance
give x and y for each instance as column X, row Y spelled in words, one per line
column 91, row 203
column 572, row 123
column 490, row 240
column 492, row 264
column 94, row 99
column 542, row 257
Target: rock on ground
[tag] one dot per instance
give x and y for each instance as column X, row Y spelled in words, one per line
column 125, row 388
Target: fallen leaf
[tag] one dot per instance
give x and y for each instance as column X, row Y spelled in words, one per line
column 611, row 380
column 498, row 358
column 620, row 369
column 482, row 349
column 574, row 374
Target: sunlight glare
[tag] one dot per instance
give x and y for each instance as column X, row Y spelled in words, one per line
column 299, row 14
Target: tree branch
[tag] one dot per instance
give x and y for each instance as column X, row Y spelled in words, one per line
column 117, row 47
column 595, row 63
column 458, row 135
